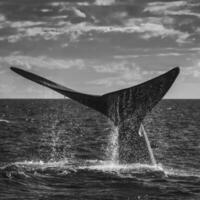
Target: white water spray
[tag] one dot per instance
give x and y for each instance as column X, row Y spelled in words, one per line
column 142, row 131
column 54, row 142
column 113, row 147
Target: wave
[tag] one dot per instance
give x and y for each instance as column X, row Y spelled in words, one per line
column 181, row 173
column 88, row 164
column 94, row 166
column 111, row 166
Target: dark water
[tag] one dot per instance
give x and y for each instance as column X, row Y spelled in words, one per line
column 57, row 149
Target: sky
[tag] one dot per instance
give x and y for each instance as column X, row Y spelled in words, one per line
column 98, row 46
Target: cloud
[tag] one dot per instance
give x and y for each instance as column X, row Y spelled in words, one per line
column 171, row 8
column 183, row 12
column 148, row 27
column 41, row 61
column 45, row 10
column 195, row 49
column 159, row 7
column 112, row 67
column 153, row 27
column 79, row 13
column 71, row 22
column 62, row 4
column 193, row 70
column 2, row 18
column 22, row 29
column 25, row 24
column 70, row 8
column 127, row 56
column 83, row 3
column 104, row 2
column 125, row 78
column 123, row 73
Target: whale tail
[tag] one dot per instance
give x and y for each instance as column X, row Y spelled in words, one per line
column 126, row 108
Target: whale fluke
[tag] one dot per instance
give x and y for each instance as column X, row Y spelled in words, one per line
column 126, row 108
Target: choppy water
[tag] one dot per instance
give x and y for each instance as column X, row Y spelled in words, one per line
column 57, row 149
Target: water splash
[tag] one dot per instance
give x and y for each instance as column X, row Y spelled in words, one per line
column 55, row 136
column 122, row 170
column 110, row 166
column 38, row 168
column 143, row 132
column 41, row 164
column 113, row 145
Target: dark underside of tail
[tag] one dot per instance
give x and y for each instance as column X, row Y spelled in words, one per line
column 126, row 108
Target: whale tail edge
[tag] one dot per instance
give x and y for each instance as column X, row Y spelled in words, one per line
column 119, row 105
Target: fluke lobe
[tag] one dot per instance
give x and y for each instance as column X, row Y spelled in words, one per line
column 126, row 108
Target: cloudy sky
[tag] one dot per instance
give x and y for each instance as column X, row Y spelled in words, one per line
column 97, row 46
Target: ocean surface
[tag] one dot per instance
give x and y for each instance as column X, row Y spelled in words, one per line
column 58, row 149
